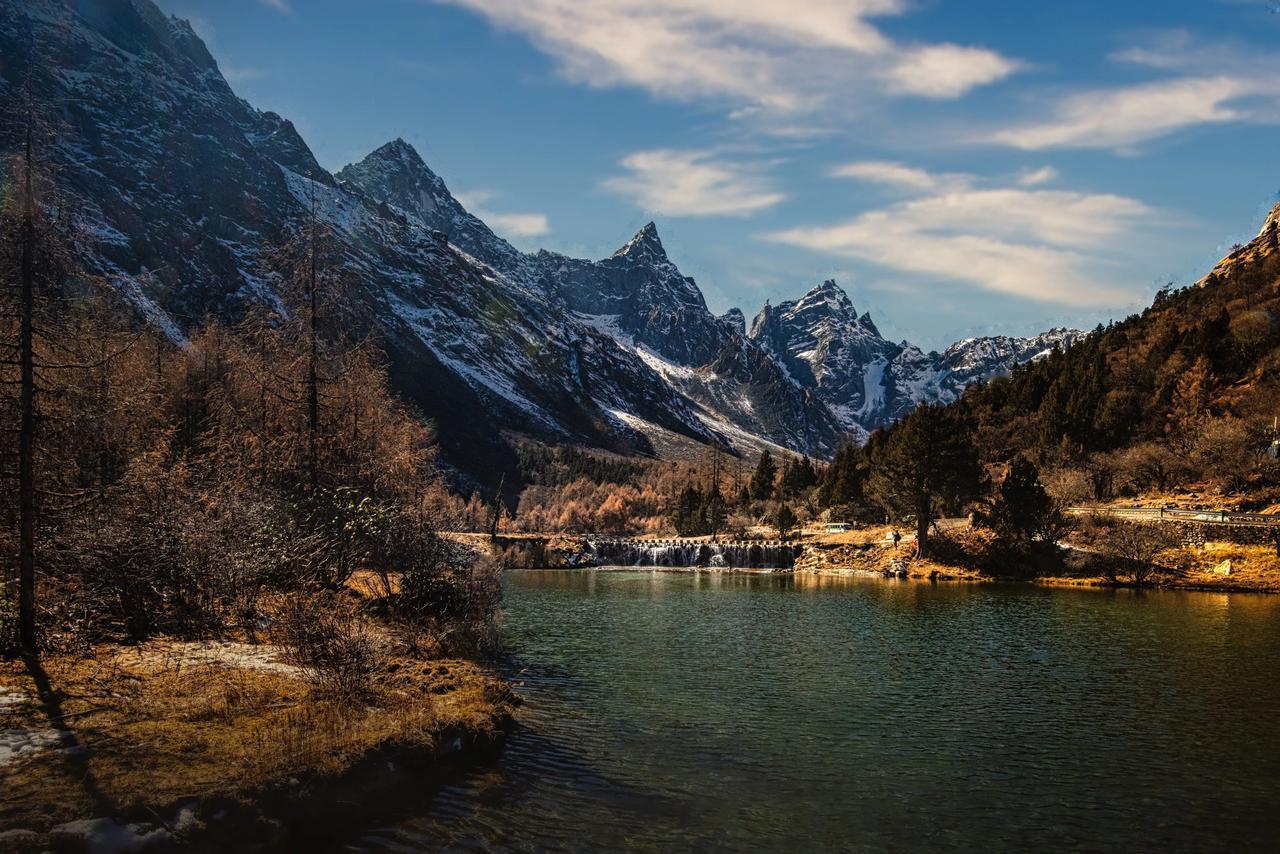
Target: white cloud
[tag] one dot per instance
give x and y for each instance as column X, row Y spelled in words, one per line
column 778, row 54
column 1053, row 246
column 947, row 70
column 1122, row 118
column 900, row 175
column 1213, row 83
column 692, row 183
column 281, row 6
column 1036, row 177
column 511, row 224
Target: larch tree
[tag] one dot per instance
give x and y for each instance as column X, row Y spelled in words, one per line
column 44, row 377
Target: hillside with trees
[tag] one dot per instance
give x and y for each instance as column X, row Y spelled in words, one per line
column 1183, row 396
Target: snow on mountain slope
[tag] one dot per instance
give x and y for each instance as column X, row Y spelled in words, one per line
column 184, row 188
column 869, row 381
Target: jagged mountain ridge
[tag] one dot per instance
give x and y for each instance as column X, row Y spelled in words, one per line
column 868, row 380
column 181, row 188
column 638, row 298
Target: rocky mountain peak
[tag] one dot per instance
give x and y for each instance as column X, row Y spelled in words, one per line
column 735, row 320
column 401, row 151
column 828, row 294
column 826, row 302
column 646, row 245
column 396, row 174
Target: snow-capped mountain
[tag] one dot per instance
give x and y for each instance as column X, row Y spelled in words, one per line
column 181, row 190
column 869, row 381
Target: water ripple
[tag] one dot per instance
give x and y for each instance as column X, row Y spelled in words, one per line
column 732, row 712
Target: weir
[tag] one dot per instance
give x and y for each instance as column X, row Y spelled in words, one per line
column 693, row 553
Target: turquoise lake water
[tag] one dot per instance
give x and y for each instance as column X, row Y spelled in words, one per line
column 711, row 711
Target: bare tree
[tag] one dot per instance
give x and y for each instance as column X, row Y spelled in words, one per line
column 27, row 393
column 1133, row 550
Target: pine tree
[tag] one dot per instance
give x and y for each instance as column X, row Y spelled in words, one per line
column 1022, row 509
column 784, row 520
column 798, row 475
column 687, row 514
column 713, row 513
column 926, row 464
column 843, row 483
column 762, row 486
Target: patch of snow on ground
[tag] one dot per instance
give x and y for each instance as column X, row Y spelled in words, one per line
column 244, row 656
column 663, row 368
column 607, row 324
column 16, row 742
column 848, row 418
column 635, row 422
column 737, row 434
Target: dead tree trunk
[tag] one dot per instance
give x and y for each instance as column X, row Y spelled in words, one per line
column 27, row 411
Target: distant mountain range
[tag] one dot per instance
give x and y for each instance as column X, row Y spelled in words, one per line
column 182, row 187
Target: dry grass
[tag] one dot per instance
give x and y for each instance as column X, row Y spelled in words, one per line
column 156, row 729
column 865, row 550
column 868, row 549
column 1252, row 567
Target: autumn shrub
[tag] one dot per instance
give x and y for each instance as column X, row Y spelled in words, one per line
column 164, row 555
column 326, row 637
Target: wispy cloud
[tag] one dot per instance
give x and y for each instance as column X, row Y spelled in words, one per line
column 284, row 7
column 1123, row 118
column 1054, row 246
column 1213, row 83
column 508, row 223
column 781, row 55
column 899, row 175
column 1036, row 177
column 693, row 183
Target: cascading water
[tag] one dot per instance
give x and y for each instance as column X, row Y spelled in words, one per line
column 685, row 553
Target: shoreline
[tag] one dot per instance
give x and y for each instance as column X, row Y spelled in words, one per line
column 866, row 552
column 181, row 746
column 954, row 575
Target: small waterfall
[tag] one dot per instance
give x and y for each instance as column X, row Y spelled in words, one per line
column 688, row 553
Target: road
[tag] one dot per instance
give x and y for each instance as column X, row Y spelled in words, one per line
column 1160, row 514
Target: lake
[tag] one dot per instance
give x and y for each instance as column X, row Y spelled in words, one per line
column 784, row 712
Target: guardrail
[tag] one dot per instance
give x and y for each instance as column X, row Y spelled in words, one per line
column 1162, row 514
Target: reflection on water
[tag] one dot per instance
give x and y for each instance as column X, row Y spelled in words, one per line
column 781, row 712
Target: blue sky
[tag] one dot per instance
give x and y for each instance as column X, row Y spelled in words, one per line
column 961, row 168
